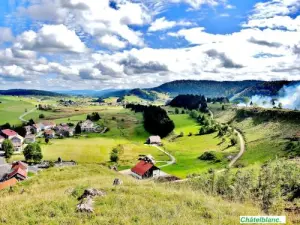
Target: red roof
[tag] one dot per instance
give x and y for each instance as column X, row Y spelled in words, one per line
column 18, row 165
column 8, row 183
column 9, row 132
column 142, row 167
column 19, row 171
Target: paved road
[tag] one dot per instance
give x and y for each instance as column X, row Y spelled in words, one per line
column 168, row 163
column 2, row 159
column 242, row 148
column 25, row 114
column 242, row 143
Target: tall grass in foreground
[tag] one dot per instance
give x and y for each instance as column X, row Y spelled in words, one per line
column 51, row 198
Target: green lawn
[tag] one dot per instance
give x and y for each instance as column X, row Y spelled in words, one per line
column 184, row 123
column 186, row 150
column 12, row 107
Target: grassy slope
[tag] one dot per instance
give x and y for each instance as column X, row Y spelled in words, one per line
column 187, row 149
column 265, row 138
column 50, row 198
column 12, row 107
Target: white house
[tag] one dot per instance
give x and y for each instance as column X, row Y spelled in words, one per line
column 17, row 142
column 87, row 126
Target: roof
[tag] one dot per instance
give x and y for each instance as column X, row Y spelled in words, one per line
column 19, row 171
column 19, row 164
column 8, row 183
column 49, row 132
column 9, row 132
column 2, row 138
column 155, row 139
column 48, row 123
column 142, row 167
column 18, row 137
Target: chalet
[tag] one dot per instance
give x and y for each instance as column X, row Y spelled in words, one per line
column 18, row 171
column 144, row 170
column 29, row 138
column 154, row 140
column 17, row 142
column 8, row 183
column 49, row 134
column 87, row 126
column 8, row 133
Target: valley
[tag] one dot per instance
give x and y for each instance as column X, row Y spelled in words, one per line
column 203, row 146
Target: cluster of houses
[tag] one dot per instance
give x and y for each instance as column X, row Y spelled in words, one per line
column 17, row 173
column 47, row 129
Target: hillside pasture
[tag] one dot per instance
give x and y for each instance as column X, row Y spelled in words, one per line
column 54, row 193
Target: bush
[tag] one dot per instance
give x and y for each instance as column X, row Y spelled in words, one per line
column 41, row 116
column 208, row 156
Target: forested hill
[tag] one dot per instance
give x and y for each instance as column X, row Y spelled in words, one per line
column 24, row 92
column 206, row 87
column 268, row 88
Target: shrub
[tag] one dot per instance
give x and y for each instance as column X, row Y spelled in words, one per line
column 41, row 116
column 208, row 156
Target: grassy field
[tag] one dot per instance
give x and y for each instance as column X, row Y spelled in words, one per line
column 265, row 139
column 187, row 150
column 54, row 193
column 12, row 107
column 184, row 123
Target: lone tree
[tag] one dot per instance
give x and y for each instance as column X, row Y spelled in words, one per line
column 78, row 128
column 33, row 152
column 8, row 148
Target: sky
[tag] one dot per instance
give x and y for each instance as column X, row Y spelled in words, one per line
column 104, row 44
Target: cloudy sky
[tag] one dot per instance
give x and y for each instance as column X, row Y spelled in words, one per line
column 100, row 44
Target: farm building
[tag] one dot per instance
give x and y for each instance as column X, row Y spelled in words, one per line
column 17, row 142
column 154, row 140
column 87, row 126
column 18, row 170
column 144, row 170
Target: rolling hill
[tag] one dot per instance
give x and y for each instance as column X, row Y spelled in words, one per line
column 27, row 92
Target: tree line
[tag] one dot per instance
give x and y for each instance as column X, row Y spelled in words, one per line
column 156, row 119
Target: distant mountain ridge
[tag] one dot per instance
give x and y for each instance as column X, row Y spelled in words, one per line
column 25, row 92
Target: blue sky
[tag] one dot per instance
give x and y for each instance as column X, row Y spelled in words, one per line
column 89, row 44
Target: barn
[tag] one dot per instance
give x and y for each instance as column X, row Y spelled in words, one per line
column 144, row 170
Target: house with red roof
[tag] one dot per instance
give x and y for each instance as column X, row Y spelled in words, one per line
column 19, row 171
column 8, row 133
column 144, row 170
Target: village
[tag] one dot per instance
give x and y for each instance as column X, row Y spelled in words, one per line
column 17, row 171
